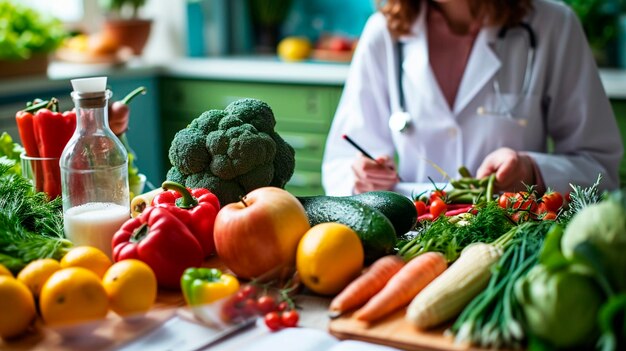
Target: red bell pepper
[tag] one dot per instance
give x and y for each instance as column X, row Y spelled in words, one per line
column 197, row 208
column 52, row 132
column 160, row 240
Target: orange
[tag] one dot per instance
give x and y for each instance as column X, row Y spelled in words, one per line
column 73, row 295
column 87, row 257
column 35, row 274
column 5, row 271
column 17, row 306
column 329, row 256
column 131, row 286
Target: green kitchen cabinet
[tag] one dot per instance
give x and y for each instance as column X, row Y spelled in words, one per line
column 619, row 108
column 303, row 116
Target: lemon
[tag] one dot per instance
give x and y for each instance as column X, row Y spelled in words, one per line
column 35, row 274
column 17, row 306
column 329, row 256
column 73, row 295
column 294, row 48
column 5, row 271
column 87, row 257
column 131, row 286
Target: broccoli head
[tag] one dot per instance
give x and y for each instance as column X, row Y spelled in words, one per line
column 232, row 152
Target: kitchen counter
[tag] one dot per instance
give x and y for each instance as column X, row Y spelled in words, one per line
column 256, row 69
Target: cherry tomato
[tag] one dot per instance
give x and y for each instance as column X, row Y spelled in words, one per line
column 245, row 292
column 506, row 200
column 437, row 207
column 282, row 306
column 437, row 194
column 542, row 208
column 553, row 200
column 525, row 201
column 549, row 216
column 265, row 304
column 229, row 311
column 520, row 216
column 273, row 321
column 290, row 318
column 249, row 307
column 420, row 206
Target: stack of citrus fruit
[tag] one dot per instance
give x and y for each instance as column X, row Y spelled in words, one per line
column 82, row 287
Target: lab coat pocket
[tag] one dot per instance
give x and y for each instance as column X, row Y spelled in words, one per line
column 516, row 116
column 517, row 109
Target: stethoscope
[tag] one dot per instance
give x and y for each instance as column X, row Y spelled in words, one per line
column 400, row 121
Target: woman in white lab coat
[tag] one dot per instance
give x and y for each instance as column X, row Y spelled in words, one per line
column 464, row 89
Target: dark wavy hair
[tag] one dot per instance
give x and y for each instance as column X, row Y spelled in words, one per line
column 401, row 14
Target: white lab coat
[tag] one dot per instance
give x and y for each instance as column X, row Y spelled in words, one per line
column 566, row 102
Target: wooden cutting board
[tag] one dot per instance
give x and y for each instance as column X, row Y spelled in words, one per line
column 395, row 331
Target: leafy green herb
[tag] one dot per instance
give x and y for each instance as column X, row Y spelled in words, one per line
column 580, row 198
column 450, row 235
column 24, row 31
column 31, row 227
column 10, row 152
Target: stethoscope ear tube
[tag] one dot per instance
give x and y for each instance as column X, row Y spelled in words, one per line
column 400, row 120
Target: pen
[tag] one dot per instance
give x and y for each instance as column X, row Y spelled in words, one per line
column 365, row 153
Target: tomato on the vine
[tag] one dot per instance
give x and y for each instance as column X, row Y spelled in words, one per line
column 249, row 306
column 290, row 318
column 525, row 201
column 282, row 306
column 273, row 321
column 245, row 292
column 549, row 216
column 437, row 207
column 553, row 200
column 506, row 200
column 420, row 207
column 265, row 304
column 520, row 216
column 437, row 194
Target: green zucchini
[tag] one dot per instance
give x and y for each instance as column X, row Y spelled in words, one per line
column 396, row 207
column 376, row 232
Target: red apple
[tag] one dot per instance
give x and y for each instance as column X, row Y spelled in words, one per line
column 261, row 232
column 339, row 43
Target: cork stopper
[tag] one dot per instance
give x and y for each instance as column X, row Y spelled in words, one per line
column 90, row 92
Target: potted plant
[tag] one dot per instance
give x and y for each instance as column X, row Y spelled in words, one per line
column 267, row 17
column 600, row 21
column 122, row 23
column 28, row 37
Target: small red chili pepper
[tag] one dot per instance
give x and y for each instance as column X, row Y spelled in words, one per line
column 197, row 208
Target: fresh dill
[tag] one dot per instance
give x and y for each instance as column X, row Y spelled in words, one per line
column 31, row 227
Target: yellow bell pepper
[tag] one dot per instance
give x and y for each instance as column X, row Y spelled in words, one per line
column 206, row 285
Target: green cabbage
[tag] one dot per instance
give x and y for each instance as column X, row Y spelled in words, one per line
column 561, row 306
column 601, row 230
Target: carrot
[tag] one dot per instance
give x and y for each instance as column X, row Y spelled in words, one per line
column 403, row 286
column 367, row 285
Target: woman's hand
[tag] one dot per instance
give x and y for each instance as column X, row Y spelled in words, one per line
column 512, row 169
column 374, row 175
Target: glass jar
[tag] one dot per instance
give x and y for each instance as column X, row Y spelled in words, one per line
column 94, row 175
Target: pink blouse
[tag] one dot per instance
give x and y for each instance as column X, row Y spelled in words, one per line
column 448, row 52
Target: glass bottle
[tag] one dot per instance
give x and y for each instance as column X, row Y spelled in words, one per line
column 94, row 171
